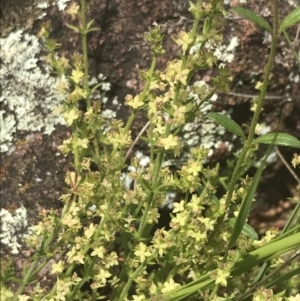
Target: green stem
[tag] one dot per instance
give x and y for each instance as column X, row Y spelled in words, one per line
column 26, row 279
column 130, row 121
column 85, row 53
column 33, row 271
column 260, row 102
column 132, row 277
column 145, row 90
column 76, row 151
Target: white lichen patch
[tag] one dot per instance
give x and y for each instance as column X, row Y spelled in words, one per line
column 228, row 1
column 7, row 129
column 13, row 228
column 61, row 4
column 294, row 3
column 226, row 53
column 294, row 77
column 203, row 131
column 28, row 92
column 109, row 107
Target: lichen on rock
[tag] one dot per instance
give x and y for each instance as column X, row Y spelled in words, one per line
column 28, row 91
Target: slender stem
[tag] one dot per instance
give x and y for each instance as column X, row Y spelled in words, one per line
column 132, row 277
column 137, row 139
column 26, row 279
column 76, row 152
column 33, row 271
column 85, row 53
column 260, row 102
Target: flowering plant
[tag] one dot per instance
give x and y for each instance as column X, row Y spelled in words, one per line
column 107, row 237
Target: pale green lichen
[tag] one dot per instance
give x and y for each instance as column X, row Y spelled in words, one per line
column 28, row 92
column 7, row 129
column 13, row 228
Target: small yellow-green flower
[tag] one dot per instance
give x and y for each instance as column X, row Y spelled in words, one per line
column 63, row 288
column 198, row 236
column 152, row 108
column 57, row 267
column 88, row 232
column 133, row 102
column 160, row 245
column 70, row 221
column 182, row 76
column 153, row 216
column 130, row 197
column 160, row 129
column 169, row 143
column 74, row 256
column 194, row 168
column 111, row 260
column 119, row 139
column 99, row 252
column 221, row 277
column 83, row 142
column 180, row 219
column 6, row 294
column 77, row 76
column 178, row 207
column 20, row 297
column 194, row 203
column 169, row 285
column 73, row 9
column 103, row 275
column 296, row 160
column 142, row 252
column 207, row 222
column 270, row 234
column 184, row 39
column 70, row 116
column 294, row 298
column 179, row 114
column 138, row 298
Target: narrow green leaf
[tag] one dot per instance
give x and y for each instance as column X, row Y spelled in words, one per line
column 76, row 29
column 94, row 29
column 247, row 229
column 182, row 293
column 248, row 14
column 265, row 252
column 96, row 87
column 278, row 139
column 145, row 184
column 89, row 24
column 292, row 220
column 16, row 280
column 227, row 123
column 248, row 262
column 291, row 19
column 275, row 282
column 283, row 278
column 245, row 208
